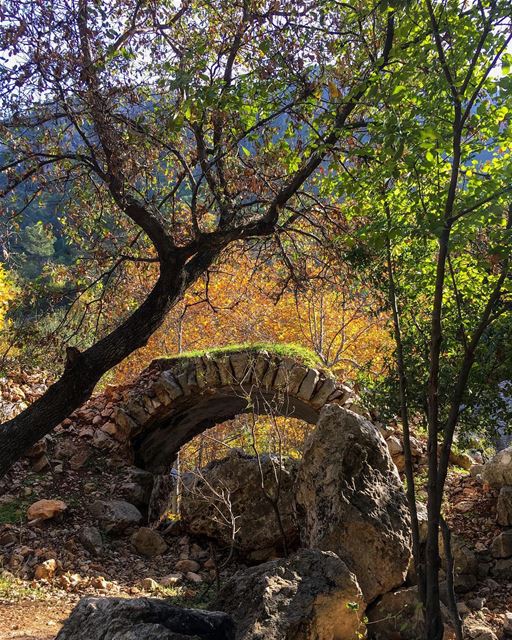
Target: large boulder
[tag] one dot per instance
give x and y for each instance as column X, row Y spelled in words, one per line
column 230, row 493
column 115, row 516
column 350, row 500
column 310, row 595
column 498, row 471
column 142, row 619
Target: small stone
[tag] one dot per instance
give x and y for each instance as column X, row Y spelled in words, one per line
column 148, row 542
column 77, row 461
column 193, row 577
column 476, row 604
column 171, row 579
column 37, row 450
column 91, row 539
column 45, row 509
column 197, row 553
column 99, row 582
column 209, row 564
column 464, row 506
column 102, row 440
column 109, row 428
column 148, row 584
column 40, row 464
column 46, row 570
column 186, row 566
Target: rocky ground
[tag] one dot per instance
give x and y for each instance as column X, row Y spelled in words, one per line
column 53, row 555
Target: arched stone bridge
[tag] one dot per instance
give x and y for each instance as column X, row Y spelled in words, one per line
column 176, row 399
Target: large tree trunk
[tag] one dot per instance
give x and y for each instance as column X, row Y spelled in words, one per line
column 78, row 380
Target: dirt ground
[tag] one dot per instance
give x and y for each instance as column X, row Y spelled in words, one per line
column 32, row 620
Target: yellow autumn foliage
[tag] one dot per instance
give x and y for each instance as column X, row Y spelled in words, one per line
column 237, row 306
column 7, row 293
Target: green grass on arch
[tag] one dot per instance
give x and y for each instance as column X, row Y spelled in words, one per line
column 284, row 350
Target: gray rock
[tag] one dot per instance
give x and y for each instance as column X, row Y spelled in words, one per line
column 142, row 619
column 148, row 542
column 498, row 471
column 234, row 484
column 138, row 487
column 502, row 545
column 115, row 516
column 502, row 569
column 91, row 539
column 504, row 507
column 311, row 595
column 477, row 603
column 350, row 500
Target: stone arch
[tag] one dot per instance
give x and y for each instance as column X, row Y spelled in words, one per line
column 176, row 399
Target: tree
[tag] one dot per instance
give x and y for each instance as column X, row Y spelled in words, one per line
column 181, row 130
column 428, row 191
